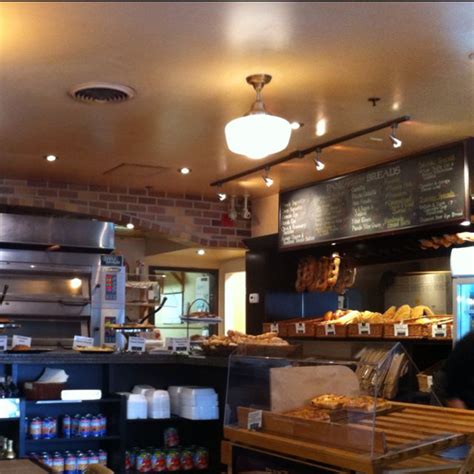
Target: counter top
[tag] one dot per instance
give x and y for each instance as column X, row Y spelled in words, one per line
column 70, row 357
column 20, row 466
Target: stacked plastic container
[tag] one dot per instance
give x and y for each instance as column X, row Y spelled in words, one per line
column 194, row 403
column 147, row 402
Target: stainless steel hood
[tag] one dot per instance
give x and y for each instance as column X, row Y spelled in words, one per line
column 33, row 231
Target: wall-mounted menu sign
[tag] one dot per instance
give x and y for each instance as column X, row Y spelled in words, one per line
column 414, row 192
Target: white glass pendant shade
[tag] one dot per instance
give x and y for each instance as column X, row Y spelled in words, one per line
column 257, row 135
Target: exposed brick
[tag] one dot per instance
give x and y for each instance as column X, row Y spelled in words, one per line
column 100, row 205
column 201, row 221
column 193, row 197
column 57, row 185
column 116, row 216
column 117, row 206
column 165, row 202
column 137, row 192
column 182, row 203
column 47, row 192
column 6, row 190
column 128, row 199
column 175, row 195
column 212, row 214
column 68, row 194
column 192, row 213
column 78, row 187
column 243, row 233
column 227, row 231
column 202, row 205
column 209, row 230
column 147, row 200
column 156, row 210
column 217, row 206
column 37, row 184
column 165, row 219
column 137, row 207
column 216, row 223
column 151, row 192
column 97, row 187
column 108, row 197
column 118, row 189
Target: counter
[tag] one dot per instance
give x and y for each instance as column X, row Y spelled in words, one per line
column 71, row 357
column 20, row 466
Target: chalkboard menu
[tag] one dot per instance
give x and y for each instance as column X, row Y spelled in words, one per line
column 414, row 192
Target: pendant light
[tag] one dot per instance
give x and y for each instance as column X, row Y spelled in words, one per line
column 258, row 134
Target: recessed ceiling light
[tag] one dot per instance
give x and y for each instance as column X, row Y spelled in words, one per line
column 376, row 139
column 50, row 158
column 396, row 106
column 201, row 252
column 333, row 243
column 184, row 170
column 321, row 127
column 32, row 266
column 466, row 223
column 130, row 226
column 296, row 125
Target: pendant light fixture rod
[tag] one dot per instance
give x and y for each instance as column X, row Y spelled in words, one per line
column 312, row 149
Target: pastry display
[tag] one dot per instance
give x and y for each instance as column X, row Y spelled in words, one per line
column 364, row 403
column 309, row 413
column 129, row 326
column 325, row 274
column 21, row 348
column 329, row 401
column 94, row 349
column 236, row 338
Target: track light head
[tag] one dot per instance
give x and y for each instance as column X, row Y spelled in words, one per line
column 317, row 161
column 267, row 179
column 396, row 142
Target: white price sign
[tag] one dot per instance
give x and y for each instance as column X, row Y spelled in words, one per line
column 400, row 330
column 3, row 343
column 330, row 329
column 439, row 330
column 274, row 327
column 300, row 328
column 82, row 341
column 254, row 420
column 21, row 341
column 364, row 329
column 177, row 344
column 136, row 344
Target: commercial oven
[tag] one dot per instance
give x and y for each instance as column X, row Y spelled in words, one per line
column 57, row 284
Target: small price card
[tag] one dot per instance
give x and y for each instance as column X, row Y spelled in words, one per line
column 330, row 329
column 274, row 327
column 364, row 329
column 21, row 341
column 254, row 420
column 439, row 330
column 400, row 330
column 300, row 328
column 80, row 342
column 3, row 343
column 136, row 344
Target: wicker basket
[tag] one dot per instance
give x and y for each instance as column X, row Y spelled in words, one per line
column 363, row 330
column 43, row 391
column 436, row 333
column 414, row 331
column 303, row 328
column 331, row 330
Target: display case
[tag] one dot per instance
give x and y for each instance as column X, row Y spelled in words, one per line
column 338, row 413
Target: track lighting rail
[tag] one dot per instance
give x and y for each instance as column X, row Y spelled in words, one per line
column 306, row 151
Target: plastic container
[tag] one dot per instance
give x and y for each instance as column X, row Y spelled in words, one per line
column 137, row 407
column 205, row 412
column 174, row 392
column 158, row 402
column 142, row 389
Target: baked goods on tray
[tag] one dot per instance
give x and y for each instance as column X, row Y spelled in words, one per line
column 21, row 348
column 309, row 413
column 329, row 401
column 363, row 403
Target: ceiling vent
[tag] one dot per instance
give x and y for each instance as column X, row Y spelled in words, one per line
column 101, row 93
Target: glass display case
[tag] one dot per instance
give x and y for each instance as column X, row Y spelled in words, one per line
column 339, row 413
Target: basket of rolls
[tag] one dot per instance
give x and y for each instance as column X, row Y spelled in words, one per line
column 416, row 323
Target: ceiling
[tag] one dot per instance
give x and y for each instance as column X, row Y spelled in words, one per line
column 188, row 63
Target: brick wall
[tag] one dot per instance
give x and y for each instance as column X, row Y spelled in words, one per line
column 191, row 218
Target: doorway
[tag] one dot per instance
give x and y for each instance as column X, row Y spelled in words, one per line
column 234, row 299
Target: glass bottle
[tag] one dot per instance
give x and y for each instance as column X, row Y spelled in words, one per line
column 10, row 453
